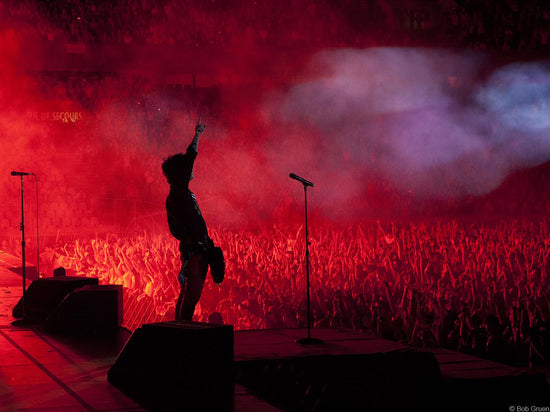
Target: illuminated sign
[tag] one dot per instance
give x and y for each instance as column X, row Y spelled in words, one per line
column 64, row 117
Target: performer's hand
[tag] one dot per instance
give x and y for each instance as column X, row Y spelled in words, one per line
column 199, row 128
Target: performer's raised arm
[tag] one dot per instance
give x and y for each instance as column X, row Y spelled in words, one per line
column 199, row 128
column 178, row 168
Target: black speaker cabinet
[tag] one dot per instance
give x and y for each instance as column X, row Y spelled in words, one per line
column 86, row 311
column 43, row 295
column 177, row 363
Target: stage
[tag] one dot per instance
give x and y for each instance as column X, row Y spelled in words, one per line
column 273, row 371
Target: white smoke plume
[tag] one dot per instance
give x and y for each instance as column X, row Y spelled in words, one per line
column 427, row 121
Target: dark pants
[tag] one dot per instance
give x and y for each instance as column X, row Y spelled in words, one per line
column 191, row 278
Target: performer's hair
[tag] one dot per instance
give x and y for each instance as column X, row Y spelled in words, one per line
column 172, row 167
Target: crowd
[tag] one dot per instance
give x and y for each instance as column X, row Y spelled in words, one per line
column 480, row 288
column 494, row 25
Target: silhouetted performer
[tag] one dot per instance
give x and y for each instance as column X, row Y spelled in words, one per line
column 188, row 226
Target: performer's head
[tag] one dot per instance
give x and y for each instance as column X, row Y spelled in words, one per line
column 174, row 167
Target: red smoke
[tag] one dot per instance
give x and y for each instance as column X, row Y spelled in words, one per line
column 96, row 135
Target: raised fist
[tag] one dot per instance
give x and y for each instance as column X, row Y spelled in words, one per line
column 199, row 128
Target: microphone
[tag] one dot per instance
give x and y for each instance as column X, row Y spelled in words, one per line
column 21, row 174
column 301, row 179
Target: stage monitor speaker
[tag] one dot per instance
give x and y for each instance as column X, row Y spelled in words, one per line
column 43, row 295
column 178, row 362
column 86, row 311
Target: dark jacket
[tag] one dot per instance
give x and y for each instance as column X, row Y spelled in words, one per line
column 184, row 216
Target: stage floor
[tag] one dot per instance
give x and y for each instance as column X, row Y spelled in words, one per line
column 44, row 372
column 390, row 376
column 41, row 372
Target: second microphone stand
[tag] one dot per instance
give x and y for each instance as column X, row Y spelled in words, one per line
column 22, row 228
column 309, row 340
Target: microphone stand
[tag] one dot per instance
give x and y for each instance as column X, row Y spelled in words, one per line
column 309, row 340
column 22, row 228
